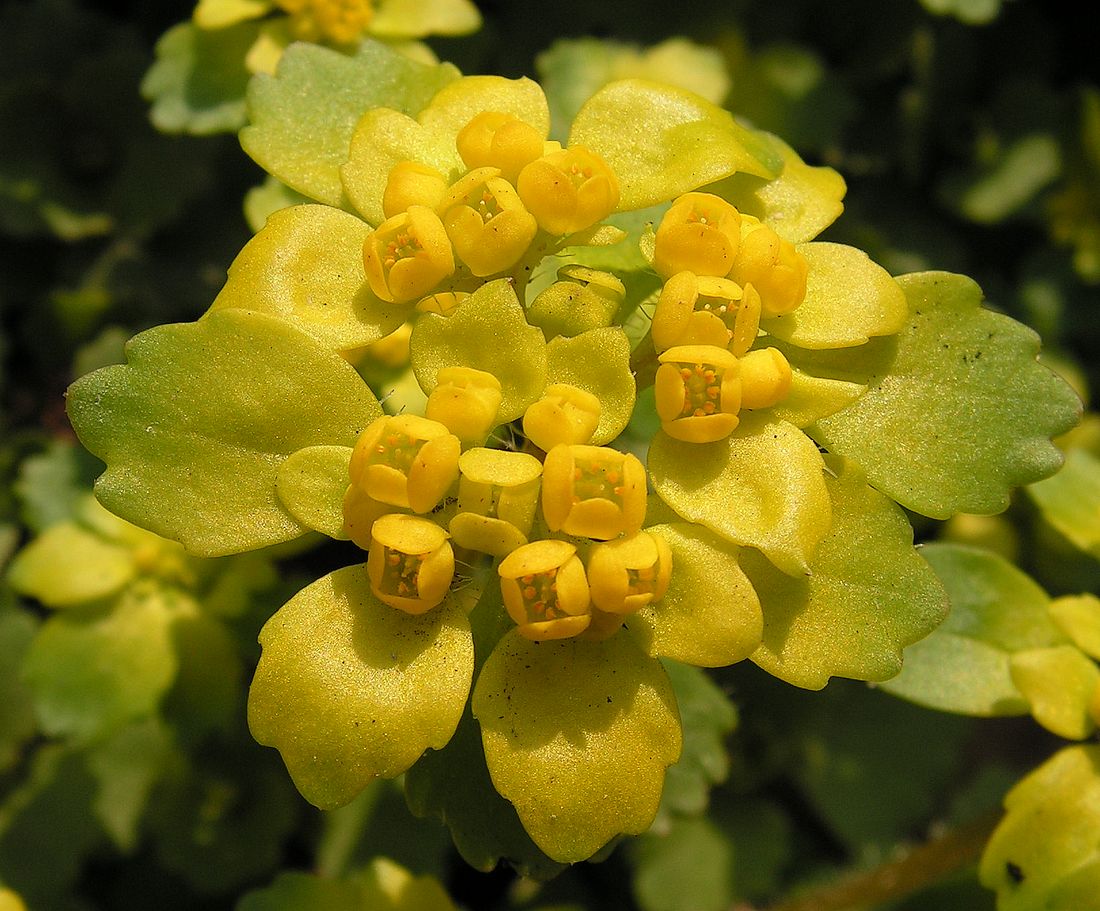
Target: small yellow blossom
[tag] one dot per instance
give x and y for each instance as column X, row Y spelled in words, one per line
column 698, row 393
column 498, row 495
column 338, row 21
column 765, row 378
column 772, row 265
column 593, row 491
column 487, row 222
column 706, row 310
column 408, row 255
column 411, row 563
column 465, row 401
column 545, row 590
column 568, row 190
column 564, row 414
column 405, row 460
column 503, row 141
column 361, row 511
column 627, row 574
column 701, row 233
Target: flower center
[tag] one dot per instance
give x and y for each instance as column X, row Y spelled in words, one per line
column 540, row 596
column 702, row 390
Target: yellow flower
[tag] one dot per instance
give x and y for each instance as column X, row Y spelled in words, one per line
column 495, row 140
column 772, row 265
column 408, row 255
column 698, row 393
column 487, row 222
column 568, row 190
column 627, row 574
column 706, row 310
column 498, row 494
column 410, row 564
column 593, row 491
column 411, row 183
column 406, row 461
column 701, row 233
column 465, row 401
column 545, row 590
column 564, row 414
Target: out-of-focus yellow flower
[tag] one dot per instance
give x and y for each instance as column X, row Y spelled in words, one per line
column 338, row 21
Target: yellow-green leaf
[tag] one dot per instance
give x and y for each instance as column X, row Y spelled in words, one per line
column 710, row 615
column 849, row 299
column 303, row 116
column 662, row 141
column 1070, row 500
column 996, row 610
column 194, row 428
column 762, row 487
column 68, row 565
column 577, row 736
column 963, row 414
column 311, row 484
column 349, row 689
column 305, row 267
column 1047, row 847
column 1059, row 684
column 418, row 18
column 812, row 398
column 866, row 594
column 516, row 355
column 1078, row 616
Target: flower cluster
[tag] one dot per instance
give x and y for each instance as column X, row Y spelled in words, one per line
column 633, row 413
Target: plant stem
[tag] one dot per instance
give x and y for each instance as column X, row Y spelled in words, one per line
column 921, row 867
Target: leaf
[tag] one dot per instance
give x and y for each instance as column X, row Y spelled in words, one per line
column 760, row 487
column 710, row 615
column 267, row 198
column 92, row 567
column 557, row 718
column 419, row 18
column 972, row 12
column 798, row 204
column 1070, row 500
column 849, row 299
column 311, row 484
column 812, row 398
column 17, row 721
column 662, row 141
column 1078, row 616
column 707, row 717
column 866, row 595
column 51, row 483
column 996, row 610
column 94, row 670
column 1049, row 838
column 963, row 414
column 193, row 429
column 126, row 766
column 206, row 695
column 517, row 355
column 573, row 69
column 349, row 689
column 597, row 361
column 303, row 116
column 197, row 83
column 306, row 268
column 1059, row 684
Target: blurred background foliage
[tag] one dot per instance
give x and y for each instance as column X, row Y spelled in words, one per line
column 969, row 134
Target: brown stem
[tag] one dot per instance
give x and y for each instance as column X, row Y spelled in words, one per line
column 921, row 867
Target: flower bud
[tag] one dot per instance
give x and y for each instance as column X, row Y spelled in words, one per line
column 465, row 401
column 360, row 513
column 773, row 266
column 496, row 140
column 593, row 491
column 765, row 378
column 406, row 460
column 498, row 494
column 411, row 563
column 407, row 255
column 545, row 591
column 412, row 184
column 698, row 393
column 701, row 233
column 564, row 414
column 568, row 191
